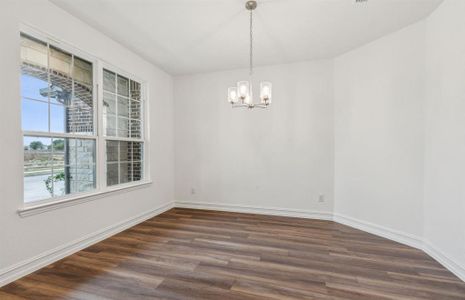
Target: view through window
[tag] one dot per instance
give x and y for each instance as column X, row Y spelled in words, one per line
column 57, row 109
column 59, row 124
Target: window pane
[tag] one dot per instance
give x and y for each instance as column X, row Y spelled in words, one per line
column 123, row 86
column 58, row 152
column 123, row 107
column 84, row 179
column 57, row 118
column 124, row 151
column 137, row 171
column 123, row 127
column 37, row 168
column 109, row 103
column 135, row 129
column 33, row 52
column 137, row 151
column 57, row 180
column 135, row 109
column 83, row 94
column 34, row 85
column 135, row 90
column 82, row 71
column 112, row 174
column 35, row 188
column 80, row 119
column 60, row 63
column 80, row 157
column 125, row 171
column 112, row 151
column 61, row 90
column 34, row 115
column 60, row 180
column 57, row 167
column 85, row 152
column 124, row 161
column 84, row 168
column 109, row 81
column 81, row 110
column 110, row 125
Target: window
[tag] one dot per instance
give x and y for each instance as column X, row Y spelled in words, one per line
column 60, row 117
column 123, row 128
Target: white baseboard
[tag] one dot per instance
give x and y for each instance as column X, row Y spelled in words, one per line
column 382, row 231
column 444, row 260
column 385, row 232
column 28, row 266
column 274, row 211
column 406, row 239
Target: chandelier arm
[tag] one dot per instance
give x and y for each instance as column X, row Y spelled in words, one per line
column 237, row 105
column 261, row 105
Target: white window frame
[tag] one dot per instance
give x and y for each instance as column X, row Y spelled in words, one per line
column 101, row 187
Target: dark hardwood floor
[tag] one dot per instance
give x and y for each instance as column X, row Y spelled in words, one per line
column 198, row 254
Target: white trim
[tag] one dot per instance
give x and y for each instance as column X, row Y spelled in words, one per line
column 274, row 211
column 444, row 260
column 395, row 235
column 59, row 135
column 28, row 266
column 35, row 208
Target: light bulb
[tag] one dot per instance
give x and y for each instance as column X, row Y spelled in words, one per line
column 248, row 100
column 232, row 95
column 265, row 92
column 243, row 90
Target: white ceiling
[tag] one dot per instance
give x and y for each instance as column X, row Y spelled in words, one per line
column 193, row 36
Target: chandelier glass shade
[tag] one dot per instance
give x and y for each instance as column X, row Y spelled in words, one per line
column 242, row 94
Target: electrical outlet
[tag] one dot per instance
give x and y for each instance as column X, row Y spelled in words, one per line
column 321, row 198
column 192, row 191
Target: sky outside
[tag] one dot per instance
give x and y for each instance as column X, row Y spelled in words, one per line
column 35, row 109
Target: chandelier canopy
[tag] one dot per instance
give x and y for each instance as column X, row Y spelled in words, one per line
column 241, row 95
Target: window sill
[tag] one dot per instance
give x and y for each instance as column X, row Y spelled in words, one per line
column 34, row 209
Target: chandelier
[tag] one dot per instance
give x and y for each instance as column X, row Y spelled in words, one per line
column 241, row 95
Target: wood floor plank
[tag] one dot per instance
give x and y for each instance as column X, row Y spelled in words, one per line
column 203, row 254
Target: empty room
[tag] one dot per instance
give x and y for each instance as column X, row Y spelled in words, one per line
column 232, row 149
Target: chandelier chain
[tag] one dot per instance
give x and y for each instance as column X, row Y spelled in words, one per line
column 241, row 94
column 251, row 44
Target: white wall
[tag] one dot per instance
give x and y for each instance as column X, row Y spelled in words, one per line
column 379, row 138
column 445, row 133
column 24, row 238
column 398, row 107
column 400, row 134
column 366, row 143
column 281, row 157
